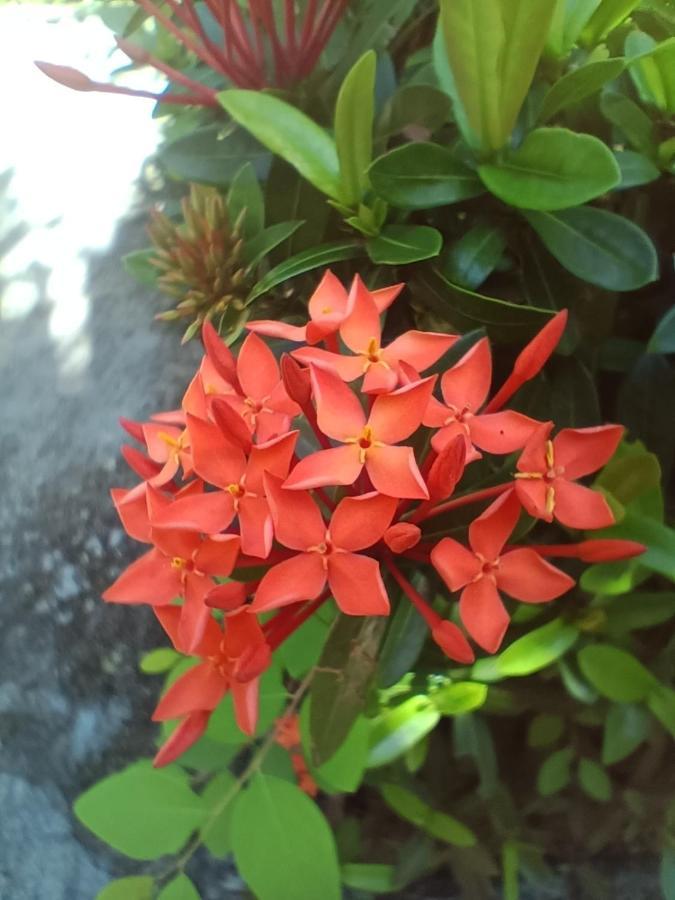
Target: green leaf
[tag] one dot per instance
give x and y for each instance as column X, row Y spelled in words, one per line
column 245, row 203
column 465, row 310
column 343, row 772
column 216, row 835
column 656, row 70
column 354, row 113
column 545, row 729
column 340, row 688
column 598, row 246
column 372, row 878
column 213, row 155
column 399, row 245
column 663, row 339
column 302, row 649
column 422, row 176
column 414, row 104
column 568, row 21
column 667, row 873
column 136, row 887
column 289, row 133
column 594, row 780
column 626, row 727
column 396, row 730
column 553, row 168
column 472, row 738
column 510, row 867
column 439, row 825
column 223, row 727
column 139, row 266
column 160, row 660
column 143, row 812
column 257, row 248
column 627, row 116
column 615, row 673
column 474, row 256
column 658, row 538
column 314, row 258
column 459, row 698
column 636, row 169
column 283, row 846
column 577, row 85
column 405, row 638
column 639, row 610
column 661, row 702
column 537, row 649
column 493, row 49
column 554, row 773
column 180, row 888
column 607, row 16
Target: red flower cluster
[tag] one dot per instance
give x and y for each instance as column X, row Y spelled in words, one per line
column 262, row 49
column 239, row 521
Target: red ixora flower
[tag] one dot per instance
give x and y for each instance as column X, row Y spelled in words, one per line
column 255, row 48
column 298, row 482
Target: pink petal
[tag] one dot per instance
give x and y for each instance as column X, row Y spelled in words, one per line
column 585, row 450
column 490, row 531
column 360, row 522
column 340, row 465
column 257, row 368
column 215, row 459
column 298, row 523
column 200, row 688
column 502, row 432
column 148, row 580
column 384, row 297
column 467, row 383
column 271, row 425
column 379, row 379
column 420, row 349
column 272, row 328
column 533, row 494
column 255, row 524
column 207, row 513
column 348, row 368
column 362, row 325
column 437, row 414
column 456, row 564
column 328, row 305
column 394, row 417
column 523, row 574
column 580, row 507
column 356, row 584
column 339, row 413
column 219, row 354
column 533, row 457
column 195, row 614
column 274, row 457
column 300, row 578
column 217, row 555
column 393, row 471
column 232, row 425
column 483, row 614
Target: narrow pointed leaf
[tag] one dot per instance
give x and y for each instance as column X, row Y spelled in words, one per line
column 399, row 245
column 306, row 261
column 578, row 84
column 354, row 114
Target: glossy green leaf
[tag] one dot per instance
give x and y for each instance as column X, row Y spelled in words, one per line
column 606, row 17
column 661, row 702
column 289, row 133
column 474, row 256
column 143, row 812
column 422, row 176
column 354, row 113
column 340, row 688
column 545, row 729
column 636, row 126
column 343, row 772
column 663, row 339
column 598, row 246
column 636, row 169
column 554, row 773
column 615, row 673
column 594, row 780
column 439, row 825
column 213, row 155
column 283, row 846
column 656, row 69
column 414, row 104
column 405, row 638
column 626, row 727
column 373, row 878
column 493, row 49
column 245, row 203
column 179, row 888
column 464, row 310
column 554, row 168
column 396, row 730
column 459, row 698
column 255, row 250
column 306, row 261
column 577, row 85
column 569, row 19
column 160, row 660
column 399, row 245
column 537, row 649
column 216, row 834
column 135, row 887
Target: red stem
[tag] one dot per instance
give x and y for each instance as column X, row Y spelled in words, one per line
column 428, row 614
column 476, row 497
column 182, row 37
column 140, row 56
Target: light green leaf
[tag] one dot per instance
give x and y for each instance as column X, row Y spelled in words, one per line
column 537, row 649
column 216, row 835
column 473, row 257
column 373, row 878
column 223, row 727
column 460, row 697
column 568, row 21
column 616, row 673
column 302, row 649
column 354, row 113
column 180, row 888
column 493, row 49
column 657, row 70
column 626, row 727
column 343, row 772
column 661, row 702
column 283, row 846
column 289, row 133
column 510, row 867
column 414, row 104
column 663, row 339
column 306, row 261
column 397, row 730
column 598, row 246
column 160, row 660
column 439, row 825
column 399, row 245
column 554, row 773
column 138, row 264
column 554, row 168
column 607, row 16
column 594, row 780
column 245, row 203
column 422, row 176
column 545, row 729
column 136, row 887
column 578, row 84
column 143, row 812
column 636, row 169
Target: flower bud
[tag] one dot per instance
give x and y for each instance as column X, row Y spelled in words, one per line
column 296, row 380
column 402, row 537
column 452, row 642
column 447, row 469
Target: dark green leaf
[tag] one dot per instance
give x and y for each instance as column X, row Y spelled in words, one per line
column 414, row 104
column 213, row 155
column 615, row 673
column 399, row 245
column 439, row 825
column 578, row 84
column 545, row 729
column 639, row 610
column 283, row 846
column 289, row 133
column 594, row 780
column 258, row 247
column 179, row 888
column 142, row 812
column 553, row 168
column 340, row 687
column 573, row 395
column 554, row 773
column 406, row 634
column 245, row 203
column 473, row 257
column 472, row 738
column 373, row 878
column 314, row 258
column 598, row 246
column 136, row 887
column 636, row 169
column 627, row 116
column 640, row 406
column 626, row 727
column 354, row 113
column 423, row 175
column 373, row 28
column 663, row 339
column 661, row 702
column 396, row 730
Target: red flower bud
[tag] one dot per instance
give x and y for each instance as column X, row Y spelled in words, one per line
column 447, row 470
column 402, row 537
column 452, row 642
column 296, row 380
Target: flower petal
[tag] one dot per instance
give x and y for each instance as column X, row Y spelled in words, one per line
column 219, row 354
column 502, row 432
column 362, row 325
column 207, row 513
column 182, row 738
column 394, row 417
column 577, row 506
column 533, row 494
column 245, row 696
column 132, row 508
column 257, row 368
column 585, row 450
column 467, row 383
column 384, row 297
column 148, row 580
column 300, row 578
column 273, row 456
column 347, row 368
column 298, row 523
column 483, row 614
column 339, row 413
column 327, row 306
column 272, row 328
column 360, row 522
column 379, row 379
column 455, row 563
column 393, row 471
column 452, row 642
column 195, row 614
column 228, row 597
column 490, row 531
column 339, row 465
column 200, row 688
column 255, row 524
column 217, row 555
column 523, row 574
column 356, row 584
column 215, row 459
column 420, row 349
column 533, row 457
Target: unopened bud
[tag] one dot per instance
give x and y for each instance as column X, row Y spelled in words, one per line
column 296, row 380
column 447, row 469
column 402, row 537
column 452, row 642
